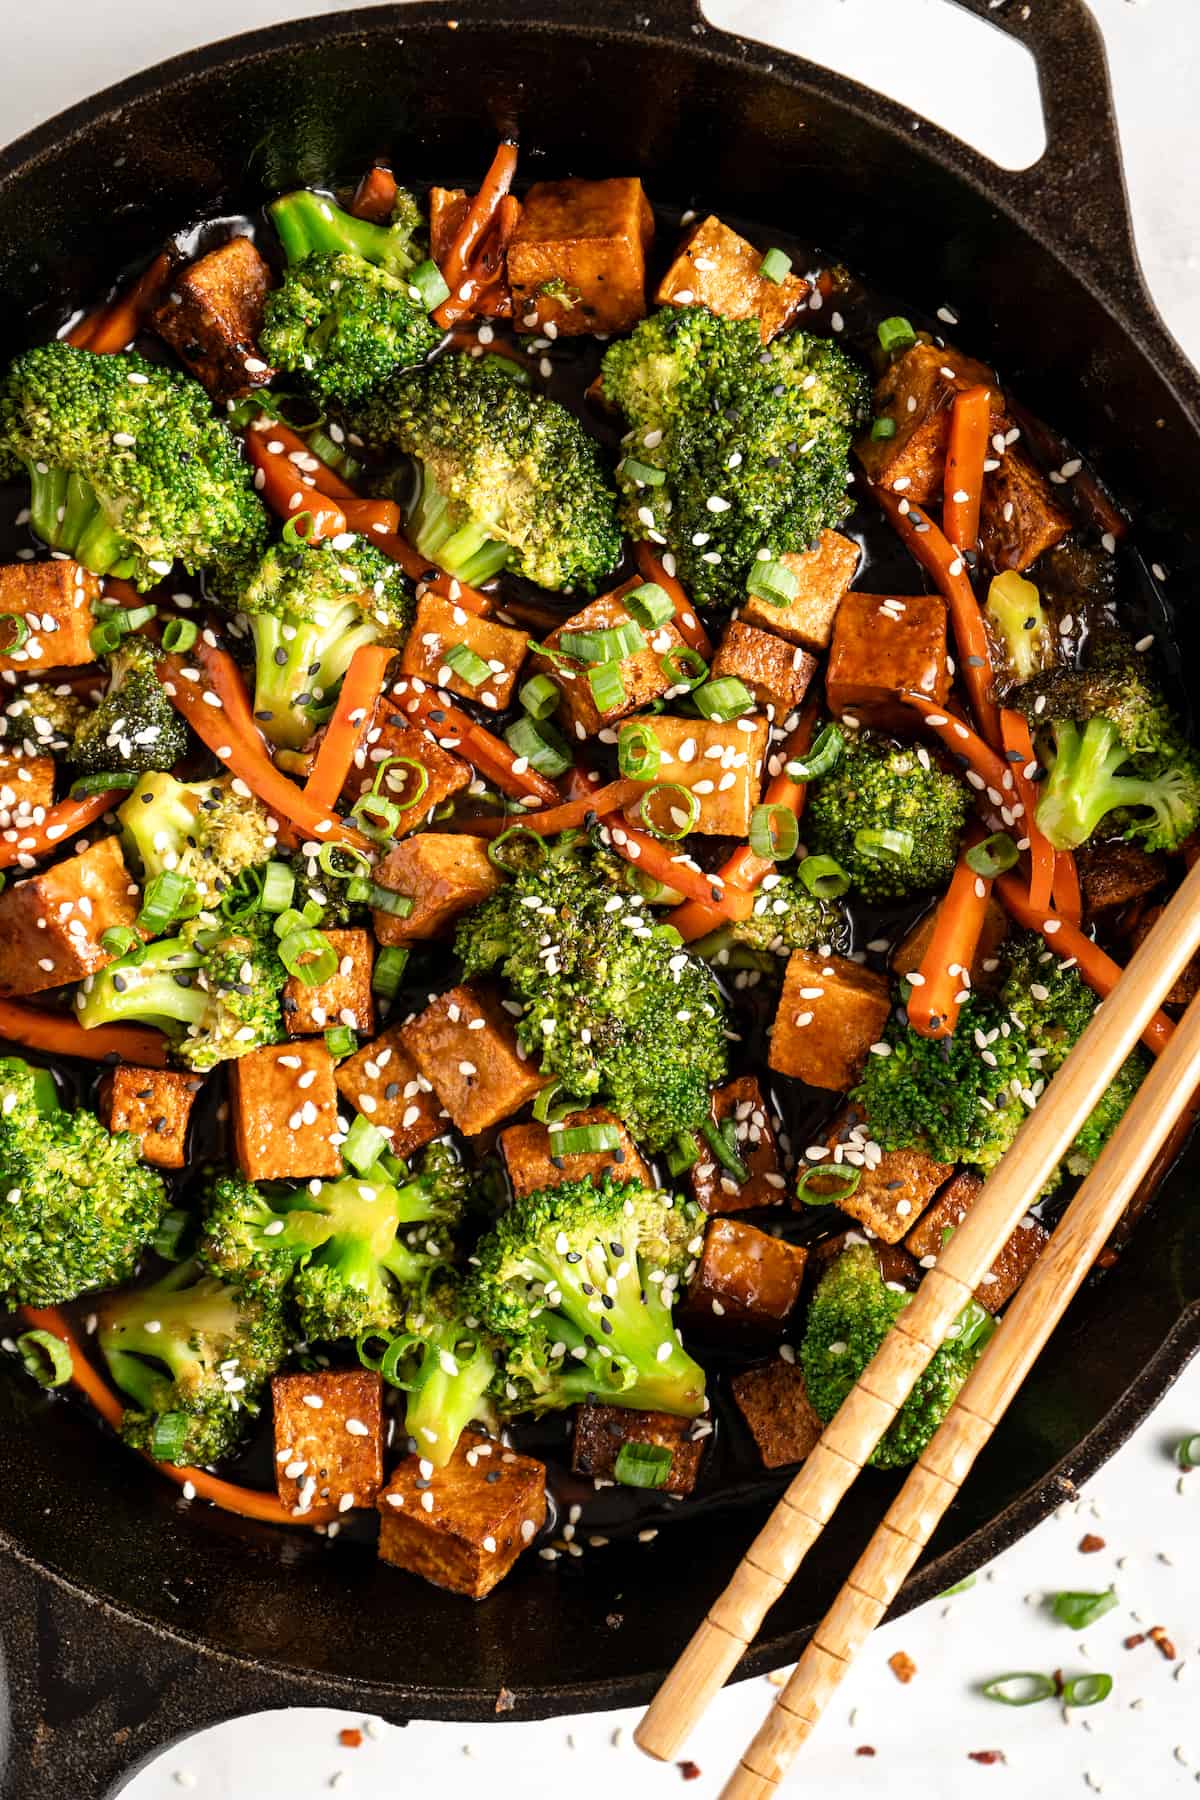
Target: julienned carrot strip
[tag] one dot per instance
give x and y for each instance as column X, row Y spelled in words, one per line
column 986, row 772
column 305, row 461
column 61, row 1035
column 62, row 820
column 471, row 233
column 938, row 556
column 352, row 718
column 940, row 990
column 483, row 286
column 375, row 196
column 113, row 327
column 1068, row 899
column 663, row 862
column 213, row 700
column 372, row 519
column 687, row 620
column 567, row 817
column 286, row 491
column 1066, row 940
column 490, row 755
column 418, row 568
column 966, row 453
column 248, row 1503
column 1018, row 750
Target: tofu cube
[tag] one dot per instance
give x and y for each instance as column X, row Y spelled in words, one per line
column 344, row 999
column 714, row 267
column 577, row 258
column 448, row 207
column 155, row 1105
column 643, row 678
column 328, row 1439
column 777, row 673
column 444, row 874
column 1113, row 874
column 54, row 602
column 394, row 736
column 212, row 316
column 285, row 1112
column 716, row 1190
column 382, row 1082
column 917, row 393
column 747, row 1282
column 533, row 1162
column 882, row 646
column 721, row 764
column 51, row 925
column 929, row 1237
column 1188, row 985
column 600, row 1432
column 830, row 1012
column 26, row 789
column 824, row 574
column 464, row 1043
column 910, row 951
column 895, row 1186
column 464, row 1526
column 774, row 1402
column 1019, row 517
column 439, row 626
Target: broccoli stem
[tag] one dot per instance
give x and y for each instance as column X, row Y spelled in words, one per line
column 448, row 1392
column 160, row 990
column 1082, row 784
column 456, row 543
column 308, row 224
column 297, row 665
column 627, row 1351
column 65, row 513
column 181, row 1311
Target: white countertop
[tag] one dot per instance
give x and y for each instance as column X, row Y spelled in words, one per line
column 1145, row 1741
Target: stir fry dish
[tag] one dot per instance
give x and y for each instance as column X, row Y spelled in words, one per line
column 568, row 775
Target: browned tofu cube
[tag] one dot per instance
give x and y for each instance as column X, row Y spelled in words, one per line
column 824, row 574
column 464, row 1043
column 894, row 1186
column 577, row 259
column 929, row 1237
column 448, row 207
column 439, row 626
column 26, row 789
column 774, row 1402
column 328, row 1439
column 600, row 1432
column 464, row 1526
column 747, row 1282
column 53, row 602
column 1019, row 517
column 382, row 1082
column 910, row 951
column 777, row 673
column 718, row 269
column 344, row 999
column 443, row 873
column 51, row 925
column 393, row 736
column 712, row 1185
column 155, row 1105
column 285, row 1112
column 897, row 1268
column 830, row 1012
column 721, row 764
column 917, row 393
column 643, row 678
column 1113, row 874
column 212, row 316
column 533, row 1161
column 882, row 646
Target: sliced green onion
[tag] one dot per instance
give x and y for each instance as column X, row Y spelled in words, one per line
column 278, row 886
column 683, row 1154
column 1187, row 1452
column 354, row 861
column 684, row 666
column 1022, row 1688
column 376, row 817
column 882, row 842
column 541, row 743
column 645, row 474
column 993, row 856
column 387, row 900
column 846, row 1183
column 724, row 699
column 340, row 1041
column 364, row 1145
column 298, row 529
column 773, row 582
column 517, row 849
column 678, row 800
column 823, row 756
column 823, row 877
column 639, row 752
column 960, row 1587
column 642, row 1465
column 389, row 969
column 420, row 783
column 1087, row 1690
column 722, row 1141
column 612, row 645
column 539, row 696
column 1079, row 1609
column 106, row 637
column 172, row 1229
column 45, row 1357
column 168, row 1436
column 102, row 783
column 430, row 284
column 608, row 690
column 973, row 1325
column 774, row 832
column 553, row 1103
column 179, row 634
column 468, row 665
column 19, row 630
column 166, row 898
column 309, row 956
column 882, row 429
column 649, row 604
column 291, row 920
column 122, row 940
column 775, row 265
column 584, row 1140
column 896, row 334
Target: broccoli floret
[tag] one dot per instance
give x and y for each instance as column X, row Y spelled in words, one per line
column 1114, row 750
column 311, row 224
column 194, row 1355
column 880, row 787
column 310, row 607
column 786, row 917
column 850, row 1315
column 445, row 1361
column 201, row 830
column 507, row 477
column 130, row 470
column 80, row 1205
column 734, row 450
column 331, row 893
column 577, row 1283
column 214, row 989
column 135, row 727
column 343, row 326
column 44, row 721
column 614, row 1007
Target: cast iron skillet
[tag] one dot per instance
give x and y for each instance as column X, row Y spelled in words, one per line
column 129, row 1619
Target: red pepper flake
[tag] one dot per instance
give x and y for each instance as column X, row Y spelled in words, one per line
column 986, row 1756
column 1131, row 1643
column 1059, row 1683
column 689, row 1770
column 1107, row 1259
column 1158, row 1636
column 505, row 1701
column 902, row 1666
column 350, row 1737
column 865, row 1750
column 1090, row 1544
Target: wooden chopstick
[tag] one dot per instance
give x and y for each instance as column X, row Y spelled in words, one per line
column 871, row 1406
column 984, row 1398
